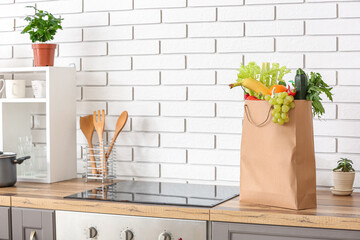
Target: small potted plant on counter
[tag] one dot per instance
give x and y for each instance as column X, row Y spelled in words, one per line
column 343, row 175
column 42, row 28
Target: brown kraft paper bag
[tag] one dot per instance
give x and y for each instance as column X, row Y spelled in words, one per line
column 277, row 166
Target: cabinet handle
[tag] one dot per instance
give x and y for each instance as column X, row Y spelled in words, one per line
column 32, row 235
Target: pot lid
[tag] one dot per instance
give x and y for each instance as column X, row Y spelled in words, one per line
column 7, row 154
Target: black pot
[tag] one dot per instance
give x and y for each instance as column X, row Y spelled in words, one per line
column 8, row 163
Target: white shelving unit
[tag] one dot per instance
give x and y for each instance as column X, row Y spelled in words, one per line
column 60, row 105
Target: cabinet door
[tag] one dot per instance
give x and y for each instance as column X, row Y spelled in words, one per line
column 4, row 223
column 237, row 231
column 37, row 222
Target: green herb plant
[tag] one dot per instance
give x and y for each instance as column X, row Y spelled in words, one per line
column 316, row 86
column 344, row 165
column 42, row 26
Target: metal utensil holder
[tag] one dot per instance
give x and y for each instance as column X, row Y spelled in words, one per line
column 101, row 170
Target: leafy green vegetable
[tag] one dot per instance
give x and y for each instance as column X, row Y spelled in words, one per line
column 282, row 72
column 344, row 165
column 266, row 75
column 316, row 86
column 42, row 26
column 248, row 71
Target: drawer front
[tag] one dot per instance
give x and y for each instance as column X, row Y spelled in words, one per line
column 76, row 225
column 37, row 222
column 238, row 231
column 4, row 223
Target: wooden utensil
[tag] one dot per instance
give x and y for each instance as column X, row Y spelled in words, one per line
column 118, row 127
column 87, row 127
column 99, row 123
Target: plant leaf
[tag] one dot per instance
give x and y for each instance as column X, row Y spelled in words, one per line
column 42, row 26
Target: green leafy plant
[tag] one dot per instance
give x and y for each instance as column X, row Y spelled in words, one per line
column 316, row 86
column 42, row 26
column 344, row 165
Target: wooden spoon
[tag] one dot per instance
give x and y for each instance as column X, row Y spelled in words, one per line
column 99, row 123
column 87, row 127
column 118, row 127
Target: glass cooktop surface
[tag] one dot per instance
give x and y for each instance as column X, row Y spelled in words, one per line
column 161, row 193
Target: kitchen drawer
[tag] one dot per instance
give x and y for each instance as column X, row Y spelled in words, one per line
column 5, row 223
column 26, row 220
column 238, row 231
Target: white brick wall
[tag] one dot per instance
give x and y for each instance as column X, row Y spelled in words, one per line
column 108, row 33
column 134, row 78
column 168, row 63
column 160, row 31
column 188, row 46
column 306, row 11
column 159, row 62
column 82, row 49
column 348, row 10
column 86, row 19
column 134, row 47
column 218, row 29
column 159, row 3
column 229, row 45
column 67, row 6
column 105, row 5
column 189, row 15
column 106, row 63
column 135, row 17
column 7, row 24
column 16, row 10
column 274, row 28
column 244, row 13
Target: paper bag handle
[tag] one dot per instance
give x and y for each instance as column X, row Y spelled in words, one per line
column 247, row 113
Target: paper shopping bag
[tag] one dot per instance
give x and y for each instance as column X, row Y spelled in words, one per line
column 277, row 166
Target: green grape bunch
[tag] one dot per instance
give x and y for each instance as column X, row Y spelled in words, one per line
column 282, row 103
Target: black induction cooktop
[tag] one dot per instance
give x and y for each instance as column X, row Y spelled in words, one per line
column 180, row 194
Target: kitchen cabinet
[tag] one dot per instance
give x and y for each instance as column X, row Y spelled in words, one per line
column 56, row 127
column 5, row 223
column 239, row 231
column 28, row 222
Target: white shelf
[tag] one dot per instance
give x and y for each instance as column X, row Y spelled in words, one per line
column 59, row 134
column 28, row 69
column 22, row 100
column 32, row 179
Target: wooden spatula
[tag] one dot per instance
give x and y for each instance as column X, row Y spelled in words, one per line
column 99, row 123
column 118, row 127
column 87, row 127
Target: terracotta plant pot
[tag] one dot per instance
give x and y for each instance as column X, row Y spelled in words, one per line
column 44, row 54
column 343, row 180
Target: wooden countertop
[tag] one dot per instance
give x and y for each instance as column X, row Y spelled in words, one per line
column 50, row 196
column 5, row 201
column 337, row 212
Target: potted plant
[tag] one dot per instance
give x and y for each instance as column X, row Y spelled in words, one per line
column 42, row 28
column 343, row 175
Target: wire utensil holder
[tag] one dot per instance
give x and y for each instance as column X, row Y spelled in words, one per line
column 103, row 169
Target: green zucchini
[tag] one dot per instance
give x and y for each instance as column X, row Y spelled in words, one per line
column 301, row 84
